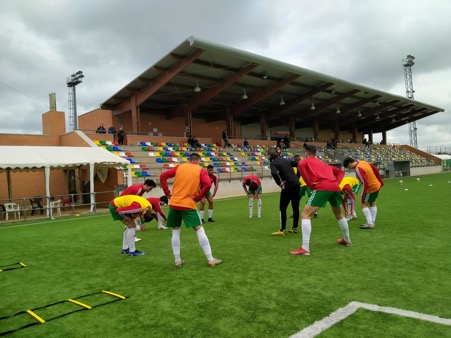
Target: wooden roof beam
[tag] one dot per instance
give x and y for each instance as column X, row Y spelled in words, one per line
column 207, row 95
column 160, row 81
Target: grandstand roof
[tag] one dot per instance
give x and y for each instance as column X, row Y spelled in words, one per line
column 29, row 158
column 224, row 74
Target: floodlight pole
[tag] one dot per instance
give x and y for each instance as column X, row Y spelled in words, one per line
column 408, row 63
column 71, row 82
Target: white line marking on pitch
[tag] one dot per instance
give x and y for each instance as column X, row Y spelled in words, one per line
column 322, row 325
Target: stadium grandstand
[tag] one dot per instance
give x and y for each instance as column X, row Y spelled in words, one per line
column 205, row 90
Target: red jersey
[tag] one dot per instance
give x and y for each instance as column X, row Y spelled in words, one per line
column 135, row 189
column 319, row 175
column 155, row 201
column 255, row 183
column 214, row 180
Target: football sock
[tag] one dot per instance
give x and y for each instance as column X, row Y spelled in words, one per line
column 251, row 205
column 176, row 243
column 210, row 213
column 204, row 243
column 344, row 228
column 124, row 240
column 130, row 234
column 306, row 225
column 348, row 206
column 160, row 220
column 352, row 207
column 259, row 204
column 373, row 211
column 138, row 227
column 201, row 214
column 367, row 213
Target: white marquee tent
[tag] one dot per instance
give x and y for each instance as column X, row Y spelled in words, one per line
column 29, row 158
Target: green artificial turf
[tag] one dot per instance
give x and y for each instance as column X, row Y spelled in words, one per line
column 259, row 291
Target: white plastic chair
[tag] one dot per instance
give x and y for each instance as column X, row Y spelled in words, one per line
column 56, row 205
column 14, row 208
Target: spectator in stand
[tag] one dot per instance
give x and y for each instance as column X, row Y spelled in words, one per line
column 121, row 136
column 225, row 139
column 286, row 141
column 112, row 131
column 246, row 144
column 209, row 197
column 254, row 191
column 190, row 141
column 101, row 129
column 193, row 142
column 156, row 205
column 187, row 131
column 334, row 142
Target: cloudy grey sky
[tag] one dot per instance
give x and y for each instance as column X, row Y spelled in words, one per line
column 113, row 41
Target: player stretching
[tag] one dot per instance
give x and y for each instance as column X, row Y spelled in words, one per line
column 323, row 180
column 254, row 191
column 209, row 197
column 369, row 175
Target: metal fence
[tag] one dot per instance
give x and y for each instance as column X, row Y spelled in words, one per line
column 50, row 207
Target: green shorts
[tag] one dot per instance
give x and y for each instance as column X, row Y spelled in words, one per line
column 114, row 214
column 208, row 194
column 252, row 191
column 304, row 190
column 319, row 198
column 191, row 218
column 370, row 197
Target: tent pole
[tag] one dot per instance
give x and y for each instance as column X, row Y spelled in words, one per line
column 91, row 186
column 47, row 191
column 8, row 182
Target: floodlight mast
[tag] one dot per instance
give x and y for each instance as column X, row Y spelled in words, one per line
column 408, row 62
column 71, row 82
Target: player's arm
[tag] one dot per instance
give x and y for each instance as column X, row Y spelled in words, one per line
column 338, row 173
column 164, row 180
column 376, row 173
column 216, row 183
column 348, row 191
column 205, row 184
column 275, row 174
column 161, row 213
column 363, row 178
column 302, row 171
column 245, row 187
column 258, row 184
